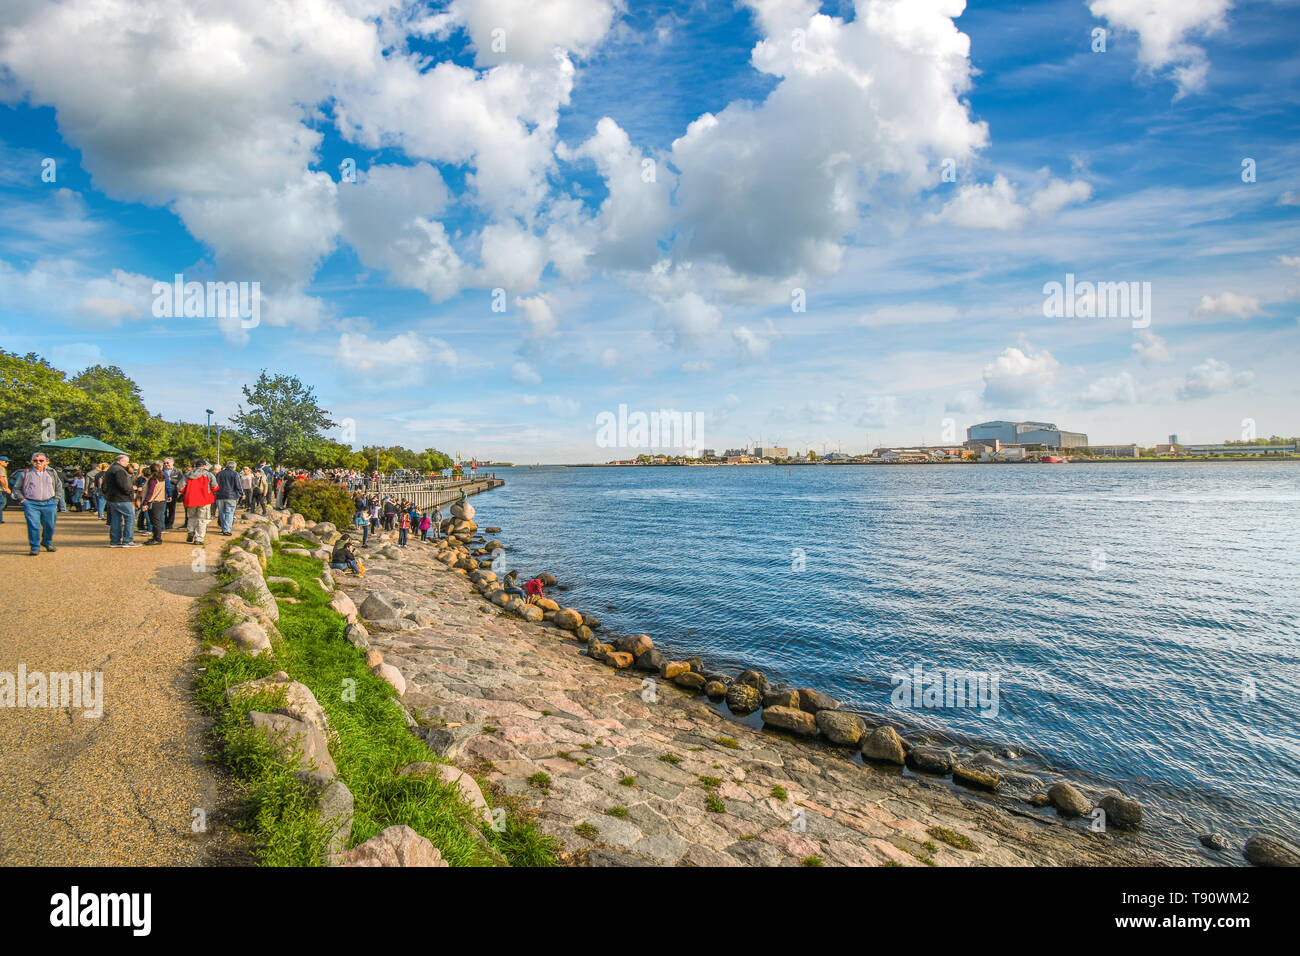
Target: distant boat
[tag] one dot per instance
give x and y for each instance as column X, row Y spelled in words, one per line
column 1053, row 460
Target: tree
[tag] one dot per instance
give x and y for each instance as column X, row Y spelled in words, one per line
column 283, row 417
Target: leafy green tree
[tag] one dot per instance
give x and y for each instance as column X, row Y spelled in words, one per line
column 283, row 417
column 35, row 401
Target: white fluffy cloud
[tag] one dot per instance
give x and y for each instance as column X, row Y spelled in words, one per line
column 1121, row 389
column 1021, row 376
column 403, row 359
column 688, row 320
column 1213, row 377
column 1150, row 347
column 1163, row 28
column 528, row 31
column 996, row 206
column 538, row 314
column 863, row 110
column 1229, row 304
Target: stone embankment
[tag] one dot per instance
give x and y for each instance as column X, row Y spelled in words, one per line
column 625, row 756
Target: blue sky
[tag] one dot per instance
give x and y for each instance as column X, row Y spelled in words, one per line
column 798, row 153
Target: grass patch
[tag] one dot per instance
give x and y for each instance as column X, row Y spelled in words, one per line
column 369, row 742
column 620, row 812
column 670, row 758
column 731, row 743
column 812, row 861
column 710, row 783
column 587, row 830
column 628, row 781
column 779, row 793
column 958, row 840
column 714, row 804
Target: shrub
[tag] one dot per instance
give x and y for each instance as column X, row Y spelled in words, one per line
column 322, row 501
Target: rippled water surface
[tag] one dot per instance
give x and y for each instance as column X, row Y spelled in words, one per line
column 1141, row 619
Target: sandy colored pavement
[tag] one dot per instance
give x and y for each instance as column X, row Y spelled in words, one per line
column 121, row 788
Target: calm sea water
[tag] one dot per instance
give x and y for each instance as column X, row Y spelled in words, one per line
column 1141, row 619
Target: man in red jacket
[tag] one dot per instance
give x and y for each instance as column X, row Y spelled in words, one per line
column 199, row 491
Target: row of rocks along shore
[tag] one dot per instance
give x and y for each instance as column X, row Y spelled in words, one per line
column 625, row 755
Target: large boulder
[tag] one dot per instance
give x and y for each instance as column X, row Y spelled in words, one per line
column 397, row 846
column 930, row 760
column 715, row 690
column 885, row 745
column 300, row 741
column 357, row 635
column 250, row 637
column 381, row 604
column 635, row 644
column 452, row 776
column 672, row 669
column 343, row 605
column 252, row 587
column 690, row 680
column 976, row 775
column 389, row 673
column 568, row 618
column 530, row 612
column 1264, row 850
column 1069, row 802
column 743, row 699
column 463, row 510
column 336, row 807
column 755, row 680
column 814, row 700
column 784, row 697
column 1122, row 813
column 651, row 660
column 787, row 718
column 299, row 702
column 840, row 727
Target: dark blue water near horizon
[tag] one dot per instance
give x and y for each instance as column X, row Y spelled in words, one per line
column 1140, row 618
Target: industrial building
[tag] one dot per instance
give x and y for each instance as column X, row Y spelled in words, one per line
column 770, row 451
column 1025, row 433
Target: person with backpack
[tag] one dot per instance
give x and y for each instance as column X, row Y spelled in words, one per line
column 198, row 491
column 260, row 488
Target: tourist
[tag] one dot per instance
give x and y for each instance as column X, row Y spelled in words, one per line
column 246, row 489
column 154, row 500
column 41, row 492
column 403, row 528
column 362, row 520
column 198, row 489
column 172, row 474
column 534, row 589
column 4, row 487
column 261, row 490
column 120, row 491
column 228, row 491
column 437, row 522
column 78, row 490
column 343, row 558
column 425, row 524
column 97, row 483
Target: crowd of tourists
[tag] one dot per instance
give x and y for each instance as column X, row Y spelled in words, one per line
column 142, row 497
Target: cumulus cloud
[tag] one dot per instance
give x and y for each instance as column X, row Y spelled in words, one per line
column 525, row 31
column 1213, row 377
column 996, row 206
column 753, row 345
column 861, row 110
column 1163, row 28
column 1020, row 377
column 403, row 359
column 1121, row 389
column 538, row 315
column 1150, row 347
column 688, row 320
column 1229, row 304
column 389, row 217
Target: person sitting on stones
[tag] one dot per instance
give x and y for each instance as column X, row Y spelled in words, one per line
column 508, row 583
column 343, row 558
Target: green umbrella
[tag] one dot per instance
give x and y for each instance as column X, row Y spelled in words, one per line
column 83, row 443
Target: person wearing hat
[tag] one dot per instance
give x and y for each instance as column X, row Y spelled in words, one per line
column 39, row 489
column 4, row 486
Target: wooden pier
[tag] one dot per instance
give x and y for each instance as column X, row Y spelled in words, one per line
column 433, row 494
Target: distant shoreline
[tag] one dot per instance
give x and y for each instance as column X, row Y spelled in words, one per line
column 896, row 464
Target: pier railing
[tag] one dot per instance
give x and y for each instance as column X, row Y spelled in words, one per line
column 433, row 494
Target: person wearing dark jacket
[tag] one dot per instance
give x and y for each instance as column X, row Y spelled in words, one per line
column 119, row 490
column 229, row 490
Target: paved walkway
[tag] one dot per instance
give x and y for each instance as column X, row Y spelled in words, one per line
column 122, row 788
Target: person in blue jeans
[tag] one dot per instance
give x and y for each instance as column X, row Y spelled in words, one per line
column 119, row 489
column 229, row 490
column 39, row 489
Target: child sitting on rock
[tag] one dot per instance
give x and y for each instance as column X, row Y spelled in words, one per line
column 343, row 558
